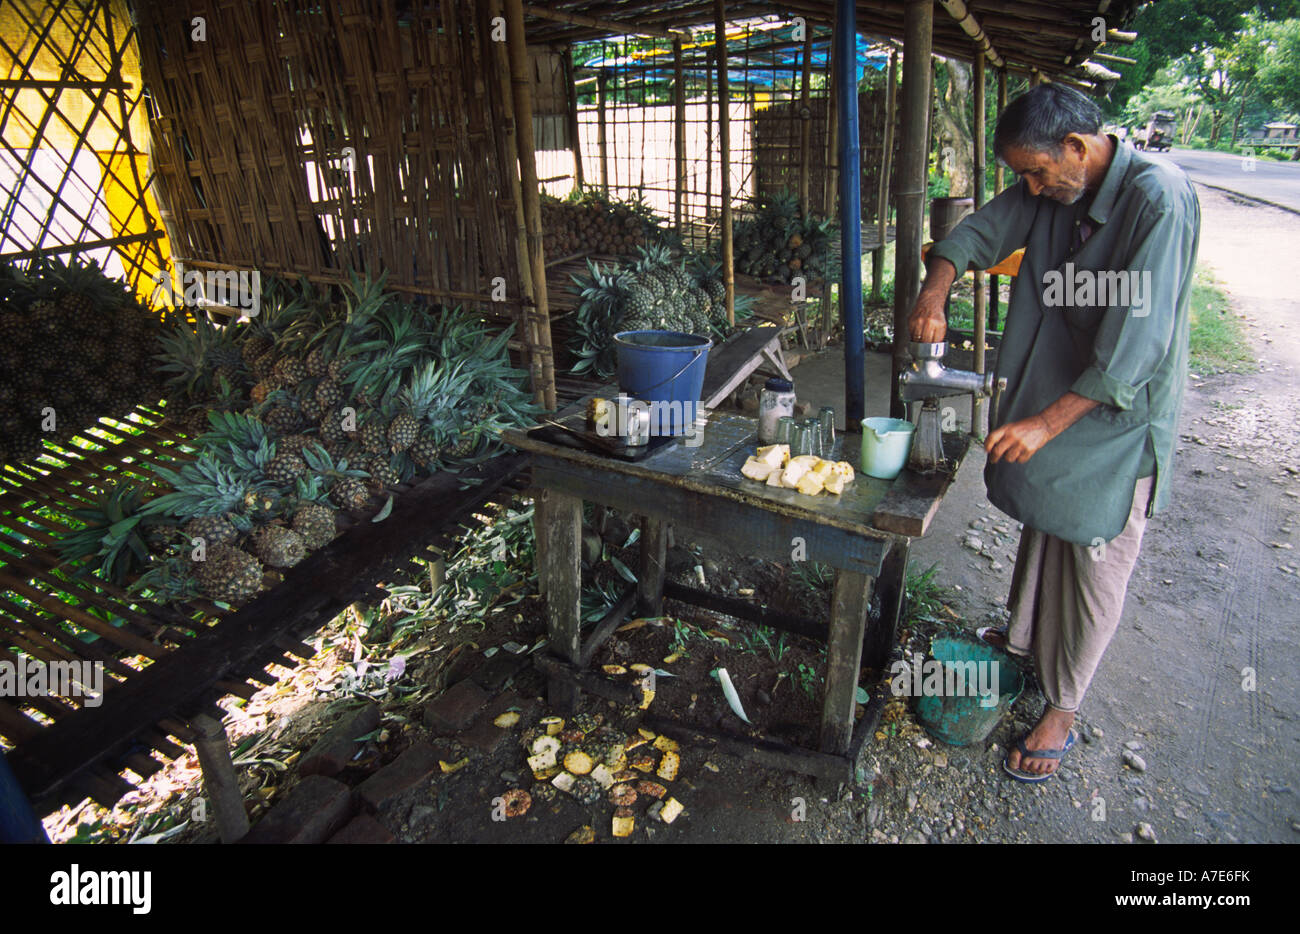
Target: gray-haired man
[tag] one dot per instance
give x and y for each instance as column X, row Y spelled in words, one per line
column 1095, row 357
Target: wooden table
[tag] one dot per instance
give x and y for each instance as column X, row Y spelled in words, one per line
column 862, row 533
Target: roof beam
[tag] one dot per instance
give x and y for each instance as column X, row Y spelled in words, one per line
column 971, row 26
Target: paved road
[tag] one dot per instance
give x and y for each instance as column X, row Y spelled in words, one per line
column 1276, row 182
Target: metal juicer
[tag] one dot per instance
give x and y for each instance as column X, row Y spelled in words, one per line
column 927, row 381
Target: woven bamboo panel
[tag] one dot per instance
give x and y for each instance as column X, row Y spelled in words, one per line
column 309, row 139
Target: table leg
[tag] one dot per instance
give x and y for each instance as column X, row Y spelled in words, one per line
column 849, row 605
column 654, row 558
column 561, row 575
column 892, row 588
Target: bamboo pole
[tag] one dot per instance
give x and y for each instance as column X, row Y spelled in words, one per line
column 805, row 128
column 886, row 166
column 917, row 45
column 523, row 104
column 830, row 185
column 679, row 133
column 575, row 128
column 511, row 168
column 981, row 295
column 601, row 141
column 999, row 183
column 724, row 157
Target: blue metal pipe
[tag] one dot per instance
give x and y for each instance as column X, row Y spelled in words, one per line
column 850, row 162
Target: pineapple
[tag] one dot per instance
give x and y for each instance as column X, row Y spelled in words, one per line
column 286, row 467
column 402, row 432
column 382, row 474
column 315, row 525
column 426, row 450
column 373, row 438
column 213, row 530
column 328, row 393
column 278, row 547
column 466, row 443
column 228, row 575
column 290, row 371
column 350, row 493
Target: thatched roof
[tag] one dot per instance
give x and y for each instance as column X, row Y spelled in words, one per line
column 1055, row 38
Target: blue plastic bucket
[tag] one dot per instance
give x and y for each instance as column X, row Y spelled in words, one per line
column 665, row 367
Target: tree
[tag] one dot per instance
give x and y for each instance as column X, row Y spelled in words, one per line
column 1279, row 74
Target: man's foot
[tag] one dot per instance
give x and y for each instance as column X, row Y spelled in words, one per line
column 993, row 636
column 1051, row 732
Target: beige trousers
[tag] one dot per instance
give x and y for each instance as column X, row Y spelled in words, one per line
column 1066, row 601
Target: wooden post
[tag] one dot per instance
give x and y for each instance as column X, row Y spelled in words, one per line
column 724, row 157
column 892, row 589
column 849, row 604
column 601, row 143
column 679, row 131
column 523, row 103
column 830, row 184
column 981, row 296
column 805, row 117
column 882, row 191
column 528, row 311
column 575, row 129
column 918, row 26
column 999, row 183
column 654, row 557
column 220, row 783
column 561, row 533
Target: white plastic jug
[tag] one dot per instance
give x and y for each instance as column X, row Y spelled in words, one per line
column 886, row 442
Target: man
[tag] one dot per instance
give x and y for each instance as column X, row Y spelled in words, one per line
column 1095, row 357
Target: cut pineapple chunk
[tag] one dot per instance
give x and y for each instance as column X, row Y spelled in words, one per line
column 792, row 474
column 823, row 468
column 671, row 810
column 774, row 478
column 774, row 455
column 845, row 470
column 755, row 469
column 834, row 484
column 807, row 461
column 810, row 484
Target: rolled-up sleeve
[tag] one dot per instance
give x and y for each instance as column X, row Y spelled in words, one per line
column 1134, row 336
column 990, row 234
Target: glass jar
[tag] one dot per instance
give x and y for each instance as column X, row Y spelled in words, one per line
column 776, row 400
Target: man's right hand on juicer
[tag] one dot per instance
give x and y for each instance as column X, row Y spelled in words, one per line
column 927, row 322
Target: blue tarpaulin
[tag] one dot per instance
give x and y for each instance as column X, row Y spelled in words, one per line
column 763, row 66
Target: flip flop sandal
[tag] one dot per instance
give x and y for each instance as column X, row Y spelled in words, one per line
column 1032, row 777
column 996, row 630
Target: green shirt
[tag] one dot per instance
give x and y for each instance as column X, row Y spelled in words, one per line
column 1106, row 318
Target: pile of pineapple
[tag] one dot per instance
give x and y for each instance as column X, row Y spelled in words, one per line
column 591, row 223
column 776, row 243
column 74, row 347
column 656, row 291
column 310, row 409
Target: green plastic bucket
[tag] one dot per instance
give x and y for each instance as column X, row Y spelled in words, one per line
column 960, row 716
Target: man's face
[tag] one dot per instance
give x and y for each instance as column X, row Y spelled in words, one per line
column 1060, row 178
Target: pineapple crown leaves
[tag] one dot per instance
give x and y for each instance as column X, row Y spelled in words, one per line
column 112, row 532
column 205, row 487
column 235, row 430
column 168, row 580
column 309, row 488
column 324, row 466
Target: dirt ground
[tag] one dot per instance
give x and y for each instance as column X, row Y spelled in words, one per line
column 1198, row 686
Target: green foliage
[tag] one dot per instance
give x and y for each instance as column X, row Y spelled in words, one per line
column 113, row 532
column 1218, row 340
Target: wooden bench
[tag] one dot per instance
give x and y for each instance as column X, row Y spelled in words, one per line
column 182, row 660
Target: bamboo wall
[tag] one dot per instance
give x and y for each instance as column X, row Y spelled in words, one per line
column 309, row 139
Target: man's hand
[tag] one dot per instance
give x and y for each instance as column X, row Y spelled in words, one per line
column 927, row 322
column 1018, row 441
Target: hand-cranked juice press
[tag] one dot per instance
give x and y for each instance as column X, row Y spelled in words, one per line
column 927, row 381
